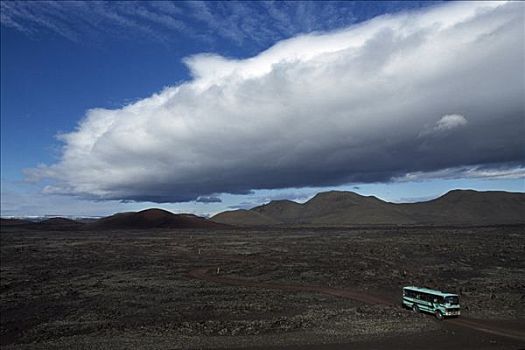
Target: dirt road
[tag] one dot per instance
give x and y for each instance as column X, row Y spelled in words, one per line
column 478, row 325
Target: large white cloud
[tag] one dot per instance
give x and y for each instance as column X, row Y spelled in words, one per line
column 314, row 110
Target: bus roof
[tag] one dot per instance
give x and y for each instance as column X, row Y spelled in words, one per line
column 430, row 291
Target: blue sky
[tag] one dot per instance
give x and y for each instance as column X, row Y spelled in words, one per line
column 59, row 60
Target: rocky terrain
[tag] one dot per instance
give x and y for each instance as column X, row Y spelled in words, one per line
column 126, row 289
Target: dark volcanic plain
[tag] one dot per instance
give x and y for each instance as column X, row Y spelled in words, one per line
column 127, row 289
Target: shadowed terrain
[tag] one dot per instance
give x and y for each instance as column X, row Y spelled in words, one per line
column 125, row 289
column 145, row 219
column 463, row 207
column 152, row 218
column 327, row 209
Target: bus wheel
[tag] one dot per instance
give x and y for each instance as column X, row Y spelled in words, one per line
column 415, row 308
column 438, row 315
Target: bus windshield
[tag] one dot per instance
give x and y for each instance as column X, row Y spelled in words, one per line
column 452, row 300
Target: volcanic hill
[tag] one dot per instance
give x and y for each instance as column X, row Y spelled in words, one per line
column 152, row 218
column 337, row 208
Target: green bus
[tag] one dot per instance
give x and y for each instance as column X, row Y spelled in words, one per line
column 439, row 303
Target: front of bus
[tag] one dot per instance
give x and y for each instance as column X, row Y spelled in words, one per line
column 451, row 303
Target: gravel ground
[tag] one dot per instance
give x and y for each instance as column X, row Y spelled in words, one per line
column 121, row 290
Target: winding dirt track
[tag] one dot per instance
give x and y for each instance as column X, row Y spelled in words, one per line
column 479, row 325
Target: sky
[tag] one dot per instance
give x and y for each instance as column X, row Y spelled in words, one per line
column 203, row 107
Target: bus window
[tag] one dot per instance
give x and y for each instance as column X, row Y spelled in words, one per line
column 453, row 300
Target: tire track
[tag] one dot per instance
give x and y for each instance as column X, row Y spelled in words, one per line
column 478, row 325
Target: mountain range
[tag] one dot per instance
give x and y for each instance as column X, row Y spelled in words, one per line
column 326, row 209
column 337, row 208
